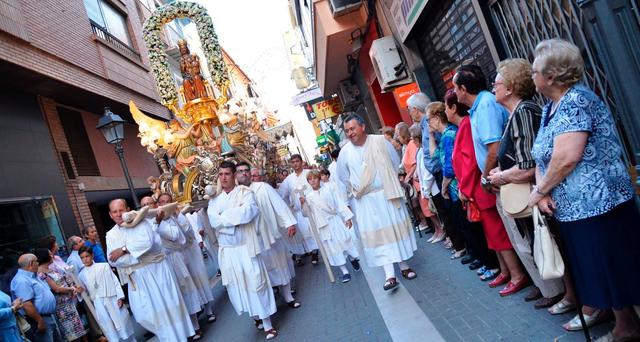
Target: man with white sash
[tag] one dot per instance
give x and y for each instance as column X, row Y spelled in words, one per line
column 367, row 165
column 274, row 221
column 231, row 214
column 134, row 249
column 294, row 186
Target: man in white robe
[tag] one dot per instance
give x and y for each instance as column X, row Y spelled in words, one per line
column 107, row 296
column 231, row 213
column 137, row 254
column 294, row 186
column 368, row 167
column 274, row 221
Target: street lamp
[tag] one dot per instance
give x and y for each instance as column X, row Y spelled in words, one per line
column 112, row 127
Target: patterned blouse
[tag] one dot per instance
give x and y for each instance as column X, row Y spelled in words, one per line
column 599, row 181
column 445, row 152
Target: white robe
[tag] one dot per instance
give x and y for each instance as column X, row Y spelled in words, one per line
column 104, row 289
column 291, row 189
column 174, row 243
column 275, row 215
column 330, row 213
column 195, row 260
column 201, row 220
column 243, row 272
column 384, row 228
column 154, row 293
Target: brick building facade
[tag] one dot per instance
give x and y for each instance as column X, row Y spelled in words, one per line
column 62, row 62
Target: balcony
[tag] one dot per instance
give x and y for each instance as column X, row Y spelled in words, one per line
column 113, row 42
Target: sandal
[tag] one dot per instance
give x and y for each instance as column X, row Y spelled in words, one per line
column 408, row 274
column 294, row 304
column 561, row 307
column 271, row 334
column 258, row 323
column 211, row 318
column 390, row 284
column 575, row 325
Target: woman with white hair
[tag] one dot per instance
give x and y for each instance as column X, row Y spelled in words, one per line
column 582, row 180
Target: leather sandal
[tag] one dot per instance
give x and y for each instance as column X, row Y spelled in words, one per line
column 409, row 274
column 294, row 304
column 390, row 284
column 258, row 323
column 575, row 325
column 561, row 307
column 271, row 334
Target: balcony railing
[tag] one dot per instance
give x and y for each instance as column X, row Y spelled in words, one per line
column 114, row 42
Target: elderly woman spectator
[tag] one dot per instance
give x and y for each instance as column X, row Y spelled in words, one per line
column 514, row 88
column 67, row 317
column 425, row 181
column 9, row 331
column 583, row 182
column 443, row 151
column 50, row 243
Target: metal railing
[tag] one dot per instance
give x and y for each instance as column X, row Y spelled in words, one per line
column 116, row 43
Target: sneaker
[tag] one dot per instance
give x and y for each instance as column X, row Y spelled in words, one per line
column 489, row 275
column 355, row 263
column 481, row 270
column 346, row 278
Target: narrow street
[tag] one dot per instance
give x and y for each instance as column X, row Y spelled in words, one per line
column 454, row 306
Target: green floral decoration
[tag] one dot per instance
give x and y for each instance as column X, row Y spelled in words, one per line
column 158, row 57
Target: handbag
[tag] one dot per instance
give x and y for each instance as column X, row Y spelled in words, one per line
column 473, row 212
column 546, row 254
column 22, row 324
column 515, row 199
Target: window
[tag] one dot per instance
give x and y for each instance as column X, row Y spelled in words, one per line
column 109, row 18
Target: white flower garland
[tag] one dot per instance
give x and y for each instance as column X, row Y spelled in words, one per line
column 158, row 57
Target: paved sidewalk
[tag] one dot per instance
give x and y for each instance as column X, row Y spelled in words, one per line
column 451, row 297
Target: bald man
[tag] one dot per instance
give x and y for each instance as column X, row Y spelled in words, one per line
column 154, row 294
column 39, row 303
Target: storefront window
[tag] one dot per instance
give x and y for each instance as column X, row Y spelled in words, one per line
column 23, row 223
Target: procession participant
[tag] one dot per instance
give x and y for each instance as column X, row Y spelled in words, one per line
column 107, row 297
column 174, row 242
column 294, row 186
column 368, row 166
column 231, row 214
column 332, row 217
column 275, row 219
column 137, row 254
column 193, row 259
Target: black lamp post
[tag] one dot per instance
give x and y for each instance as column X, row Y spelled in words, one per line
column 112, row 127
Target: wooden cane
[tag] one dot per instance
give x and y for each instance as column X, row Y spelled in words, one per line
column 314, row 231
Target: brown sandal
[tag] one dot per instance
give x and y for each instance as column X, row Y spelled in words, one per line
column 258, row 323
column 407, row 274
column 390, row 284
column 271, row 334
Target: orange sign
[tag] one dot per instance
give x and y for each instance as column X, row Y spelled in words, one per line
column 327, row 108
column 403, row 93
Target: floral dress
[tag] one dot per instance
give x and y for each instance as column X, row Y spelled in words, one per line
column 67, row 316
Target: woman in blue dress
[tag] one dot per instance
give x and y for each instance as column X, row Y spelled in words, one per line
column 9, row 331
column 582, row 181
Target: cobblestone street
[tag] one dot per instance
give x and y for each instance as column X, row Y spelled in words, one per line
column 448, row 295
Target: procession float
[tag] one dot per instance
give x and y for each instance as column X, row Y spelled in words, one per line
column 209, row 124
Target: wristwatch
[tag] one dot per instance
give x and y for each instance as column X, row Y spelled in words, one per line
column 124, row 249
column 483, row 181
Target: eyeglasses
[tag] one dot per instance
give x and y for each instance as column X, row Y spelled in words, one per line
column 494, row 84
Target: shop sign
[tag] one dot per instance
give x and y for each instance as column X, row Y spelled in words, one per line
column 322, row 140
column 325, row 109
column 306, row 96
column 405, row 13
column 403, row 93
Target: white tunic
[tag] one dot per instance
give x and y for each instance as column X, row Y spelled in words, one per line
column 195, row 261
column 276, row 215
column 385, row 229
column 330, row 213
column 154, row 294
column 243, row 273
column 173, row 244
column 291, row 189
column 104, row 289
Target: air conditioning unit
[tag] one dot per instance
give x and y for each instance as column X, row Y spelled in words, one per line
column 348, row 93
column 342, row 7
column 388, row 64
